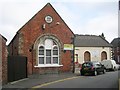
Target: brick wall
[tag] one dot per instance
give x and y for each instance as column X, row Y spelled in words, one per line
column 31, row 33
column 3, row 60
column 13, row 46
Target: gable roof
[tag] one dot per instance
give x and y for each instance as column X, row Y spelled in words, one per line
column 91, row 41
column 47, row 5
column 3, row 37
column 116, row 42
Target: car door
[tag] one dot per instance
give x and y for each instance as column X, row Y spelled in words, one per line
column 99, row 67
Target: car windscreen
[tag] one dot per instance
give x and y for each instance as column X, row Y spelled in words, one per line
column 97, row 64
column 87, row 65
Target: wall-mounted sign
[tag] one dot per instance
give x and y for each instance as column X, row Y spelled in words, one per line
column 68, row 46
column 48, row 19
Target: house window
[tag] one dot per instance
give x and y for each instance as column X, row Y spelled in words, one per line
column 87, row 56
column 48, row 53
column 55, row 55
column 103, row 56
column 41, row 55
column 48, row 56
column 76, row 58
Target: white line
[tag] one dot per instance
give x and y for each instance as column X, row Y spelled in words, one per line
column 45, row 84
column 18, row 81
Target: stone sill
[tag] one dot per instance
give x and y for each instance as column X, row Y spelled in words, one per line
column 49, row 65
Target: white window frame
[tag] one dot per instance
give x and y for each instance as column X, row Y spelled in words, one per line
column 55, row 55
column 52, row 64
column 41, row 45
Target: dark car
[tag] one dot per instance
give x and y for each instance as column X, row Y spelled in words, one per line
column 93, row 68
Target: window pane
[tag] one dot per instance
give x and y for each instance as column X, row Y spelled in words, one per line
column 48, row 52
column 41, row 50
column 55, row 60
column 48, row 43
column 55, row 52
column 54, row 43
column 48, row 60
column 55, row 48
column 41, row 60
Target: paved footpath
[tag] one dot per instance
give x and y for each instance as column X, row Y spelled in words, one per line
column 37, row 79
column 119, row 84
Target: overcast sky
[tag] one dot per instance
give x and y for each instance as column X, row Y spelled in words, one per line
column 92, row 17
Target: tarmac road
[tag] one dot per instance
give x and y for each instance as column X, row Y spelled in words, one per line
column 108, row 80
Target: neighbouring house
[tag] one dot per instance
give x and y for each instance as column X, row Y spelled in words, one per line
column 3, row 60
column 91, row 48
column 116, row 49
column 46, row 41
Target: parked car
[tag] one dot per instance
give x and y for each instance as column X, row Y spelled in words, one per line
column 118, row 66
column 93, row 68
column 110, row 64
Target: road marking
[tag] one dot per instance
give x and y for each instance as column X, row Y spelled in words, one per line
column 42, row 85
column 18, row 81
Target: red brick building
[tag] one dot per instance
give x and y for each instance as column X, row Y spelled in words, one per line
column 46, row 41
column 3, row 60
column 116, row 49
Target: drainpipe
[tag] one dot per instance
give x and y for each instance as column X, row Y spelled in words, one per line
column 73, row 38
column 31, row 50
column 32, row 59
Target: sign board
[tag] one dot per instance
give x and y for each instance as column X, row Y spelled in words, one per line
column 68, row 46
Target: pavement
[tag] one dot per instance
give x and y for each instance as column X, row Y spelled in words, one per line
column 119, row 84
column 37, row 79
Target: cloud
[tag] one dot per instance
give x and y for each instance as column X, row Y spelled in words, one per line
column 83, row 17
column 8, row 31
column 107, row 24
column 91, row 18
column 13, row 15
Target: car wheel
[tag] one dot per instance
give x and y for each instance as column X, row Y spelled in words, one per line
column 95, row 73
column 104, row 71
column 114, row 69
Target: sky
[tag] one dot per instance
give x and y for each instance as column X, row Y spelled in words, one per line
column 92, row 17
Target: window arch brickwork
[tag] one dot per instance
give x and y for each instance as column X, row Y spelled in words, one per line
column 50, row 48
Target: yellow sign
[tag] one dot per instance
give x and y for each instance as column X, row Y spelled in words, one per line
column 68, row 46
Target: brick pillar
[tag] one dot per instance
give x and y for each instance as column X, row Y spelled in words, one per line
column 3, row 61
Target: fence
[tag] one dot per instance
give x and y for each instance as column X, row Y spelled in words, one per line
column 17, row 68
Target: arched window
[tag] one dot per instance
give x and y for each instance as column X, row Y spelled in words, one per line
column 103, row 55
column 87, row 56
column 48, row 53
column 41, row 55
column 55, row 55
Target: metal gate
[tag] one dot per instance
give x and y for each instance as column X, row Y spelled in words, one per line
column 17, row 68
